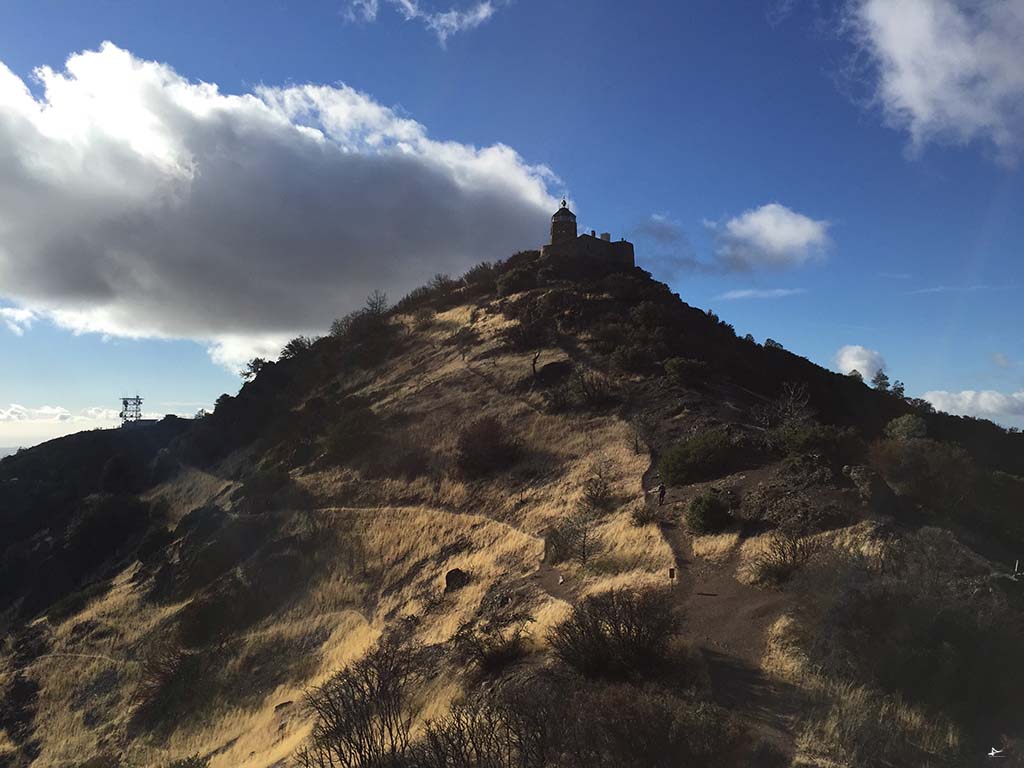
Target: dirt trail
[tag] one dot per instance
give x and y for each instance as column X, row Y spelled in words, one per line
column 728, row 621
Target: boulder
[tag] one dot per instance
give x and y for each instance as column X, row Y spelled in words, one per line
column 455, row 580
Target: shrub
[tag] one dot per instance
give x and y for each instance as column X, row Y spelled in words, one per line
column 838, row 446
column 572, row 539
column 708, row 513
column 356, row 429
column 191, row 762
column 485, row 446
column 685, row 371
column 617, row 633
column 938, row 475
column 783, row 555
column 645, row 514
column 626, row 726
column 171, row 680
column 494, row 643
column 154, row 544
column 517, row 280
column 597, row 493
column 701, row 457
column 363, row 714
column 635, row 358
column 907, row 427
column 591, row 388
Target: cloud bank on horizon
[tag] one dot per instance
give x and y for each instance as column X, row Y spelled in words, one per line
column 141, row 204
column 946, row 71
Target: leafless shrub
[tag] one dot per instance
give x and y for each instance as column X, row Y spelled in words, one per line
column 783, row 555
column 592, row 388
column 617, row 633
column 493, row 643
column 573, row 539
column 363, row 714
column 645, row 514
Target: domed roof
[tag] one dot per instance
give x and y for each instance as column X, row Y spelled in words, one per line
column 563, row 212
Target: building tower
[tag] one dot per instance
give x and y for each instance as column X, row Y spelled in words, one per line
column 563, row 225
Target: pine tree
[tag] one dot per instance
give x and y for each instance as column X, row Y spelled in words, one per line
column 880, row 381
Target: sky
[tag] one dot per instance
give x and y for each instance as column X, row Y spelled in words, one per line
column 186, row 185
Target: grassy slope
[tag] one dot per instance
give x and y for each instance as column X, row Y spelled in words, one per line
column 495, row 527
column 411, row 530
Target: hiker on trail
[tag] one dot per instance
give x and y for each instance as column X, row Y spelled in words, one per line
column 661, row 494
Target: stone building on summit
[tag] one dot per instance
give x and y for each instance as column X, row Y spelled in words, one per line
column 598, row 252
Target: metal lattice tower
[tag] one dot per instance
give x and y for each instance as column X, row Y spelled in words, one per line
column 131, row 410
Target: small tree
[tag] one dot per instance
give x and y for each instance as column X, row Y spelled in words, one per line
column 296, row 347
column 855, row 374
column 880, row 381
column 907, row 427
column 899, row 389
column 377, row 303
column 252, row 368
column 772, row 344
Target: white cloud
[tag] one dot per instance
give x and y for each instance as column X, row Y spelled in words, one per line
column 443, row 24
column 770, row 236
column 957, row 289
column 140, row 204
column 98, row 413
column 760, row 293
column 1001, row 360
column 15, row 412
column 947, row 70
column 986, row 404
column 855, row 357
column 17, row 320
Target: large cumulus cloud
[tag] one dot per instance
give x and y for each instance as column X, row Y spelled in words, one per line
column 134, row 202
column 947, row 70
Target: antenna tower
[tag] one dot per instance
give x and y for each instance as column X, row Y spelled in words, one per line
column 131, row 410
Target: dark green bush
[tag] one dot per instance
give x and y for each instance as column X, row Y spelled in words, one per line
column 838, row 446
column 517, row 280
column 619, row 633
column 938, row 475
column 355, row 429
column 708, row 513
column 686, row 372
column 701, row 457
column 907, row 427
column 485, row 446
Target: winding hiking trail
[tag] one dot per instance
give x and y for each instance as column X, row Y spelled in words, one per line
column 728, row 622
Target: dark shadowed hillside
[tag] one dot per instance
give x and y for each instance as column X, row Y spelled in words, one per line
column 434, row 537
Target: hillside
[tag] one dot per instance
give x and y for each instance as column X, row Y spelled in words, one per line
column 434, row 538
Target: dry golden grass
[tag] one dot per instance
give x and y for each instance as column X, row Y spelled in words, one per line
column 845, row 717
column 717, row 547
column 411, row 532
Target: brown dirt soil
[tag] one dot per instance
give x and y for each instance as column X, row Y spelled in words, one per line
column 728, row 622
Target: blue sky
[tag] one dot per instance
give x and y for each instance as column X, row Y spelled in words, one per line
column 828, row 175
